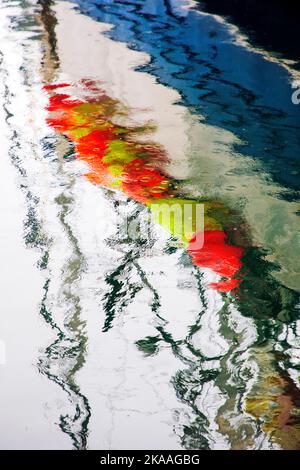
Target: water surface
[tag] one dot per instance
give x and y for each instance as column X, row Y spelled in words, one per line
column 148, row 343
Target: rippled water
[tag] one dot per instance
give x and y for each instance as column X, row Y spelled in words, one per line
column 114, row 342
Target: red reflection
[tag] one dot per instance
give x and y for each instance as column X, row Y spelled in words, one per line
column 117, row 159
column 222, row 258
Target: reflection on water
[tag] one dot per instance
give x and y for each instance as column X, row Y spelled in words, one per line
column 117, row 160
column 65, row 355
column 207, row 336
column 232, row 87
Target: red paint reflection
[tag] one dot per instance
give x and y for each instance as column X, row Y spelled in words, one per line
column 117, row 159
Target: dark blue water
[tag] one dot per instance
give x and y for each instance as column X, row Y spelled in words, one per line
column 233, row 87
